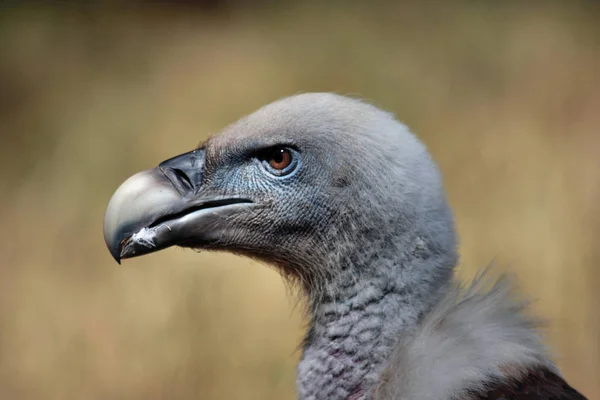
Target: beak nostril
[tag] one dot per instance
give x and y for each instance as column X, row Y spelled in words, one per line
column 183, row 178
column 179, row 179
column 185, row 171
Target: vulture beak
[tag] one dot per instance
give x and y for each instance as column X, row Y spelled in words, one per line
column 163, row 207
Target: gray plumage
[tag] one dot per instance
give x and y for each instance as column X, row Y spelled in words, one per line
column 362, row 225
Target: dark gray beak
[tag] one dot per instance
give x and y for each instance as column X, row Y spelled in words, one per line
column 163, row 207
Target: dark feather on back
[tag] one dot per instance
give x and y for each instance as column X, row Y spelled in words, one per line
column 536, row 384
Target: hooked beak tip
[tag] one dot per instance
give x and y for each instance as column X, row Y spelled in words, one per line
column 115, row 252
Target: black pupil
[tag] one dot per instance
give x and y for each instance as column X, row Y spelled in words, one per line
column 278, row 156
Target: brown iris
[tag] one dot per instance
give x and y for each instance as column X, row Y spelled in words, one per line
column 280, row 159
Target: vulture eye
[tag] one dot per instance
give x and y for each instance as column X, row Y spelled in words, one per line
column 278, row 161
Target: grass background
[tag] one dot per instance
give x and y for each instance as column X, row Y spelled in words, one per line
column 505, row 94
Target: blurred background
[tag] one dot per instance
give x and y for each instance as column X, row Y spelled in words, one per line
column 505, row 94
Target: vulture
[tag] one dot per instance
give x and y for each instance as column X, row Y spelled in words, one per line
column 346, row 202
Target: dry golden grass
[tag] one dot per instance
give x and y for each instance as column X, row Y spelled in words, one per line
column 506, row 97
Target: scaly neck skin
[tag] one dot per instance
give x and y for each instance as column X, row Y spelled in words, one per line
column 360, row 319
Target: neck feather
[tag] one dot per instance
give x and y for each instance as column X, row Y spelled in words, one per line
column 360, row 317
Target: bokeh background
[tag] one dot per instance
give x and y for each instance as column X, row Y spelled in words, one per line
column 505, row 94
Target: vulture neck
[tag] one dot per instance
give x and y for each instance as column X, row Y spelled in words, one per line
column 362, row 314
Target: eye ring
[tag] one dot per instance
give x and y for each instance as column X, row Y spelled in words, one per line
column 279, row 161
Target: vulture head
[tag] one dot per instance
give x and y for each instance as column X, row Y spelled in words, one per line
column 312, row 183
column 343, row 199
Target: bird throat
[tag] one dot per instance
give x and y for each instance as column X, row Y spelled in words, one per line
column 357, row 324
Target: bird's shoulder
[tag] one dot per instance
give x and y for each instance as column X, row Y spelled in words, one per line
column 477, row 343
